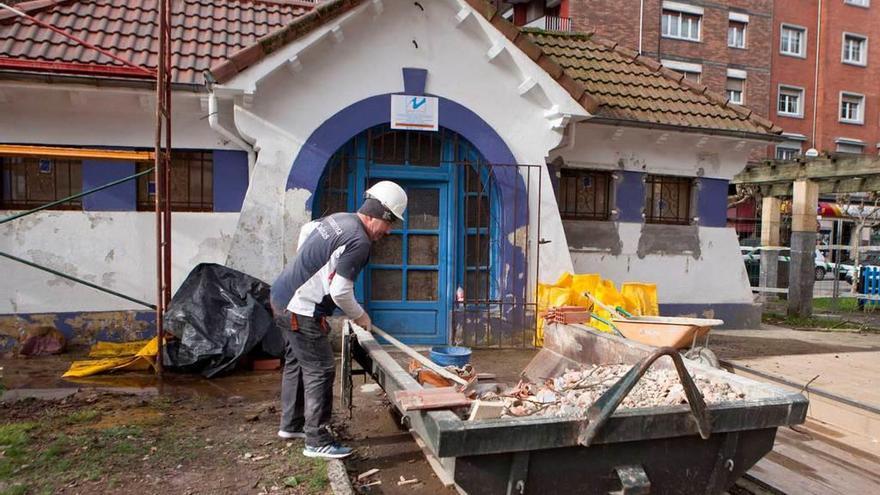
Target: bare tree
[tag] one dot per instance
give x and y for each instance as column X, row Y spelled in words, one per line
column 744, row 192
column 864, row 209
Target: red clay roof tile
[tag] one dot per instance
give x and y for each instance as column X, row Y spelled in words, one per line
column 205, row 32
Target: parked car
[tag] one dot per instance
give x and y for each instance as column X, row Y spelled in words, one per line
column 847, row 270
column 752, row 259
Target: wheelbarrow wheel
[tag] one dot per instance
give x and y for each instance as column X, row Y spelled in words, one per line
column 703, row 355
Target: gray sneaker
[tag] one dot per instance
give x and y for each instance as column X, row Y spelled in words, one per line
column 330, row 451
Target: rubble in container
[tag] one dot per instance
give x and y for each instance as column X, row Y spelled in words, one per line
column 572, row 393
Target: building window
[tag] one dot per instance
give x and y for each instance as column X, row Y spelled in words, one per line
column 790, row 102
column 681, row 25
column 852, row 108
column 787, row 152
column 736, row 34
column 793, row 41
column 858, row 3
column 192, row 182
column 850, row 147
column 690, row 71
column 855, row 49
column 28, row 182
column 736, row 88
column 584, row 194
column 668, row 199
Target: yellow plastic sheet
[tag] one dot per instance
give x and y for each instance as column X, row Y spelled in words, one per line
column 638, row 298
column 135, row 356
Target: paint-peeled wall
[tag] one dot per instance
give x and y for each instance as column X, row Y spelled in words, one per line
column 306, row 83
column 698, row 268
column 115, row 250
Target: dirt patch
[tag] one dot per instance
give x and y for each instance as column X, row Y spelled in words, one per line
column 739, row 347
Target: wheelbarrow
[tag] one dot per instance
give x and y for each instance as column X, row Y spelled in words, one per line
column 665, row 331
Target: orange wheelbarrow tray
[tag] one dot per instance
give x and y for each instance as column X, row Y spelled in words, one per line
column 665, row 331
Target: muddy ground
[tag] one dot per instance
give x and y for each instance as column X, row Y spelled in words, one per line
column 126, row 433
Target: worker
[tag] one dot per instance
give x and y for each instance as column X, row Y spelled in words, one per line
column 331, row 253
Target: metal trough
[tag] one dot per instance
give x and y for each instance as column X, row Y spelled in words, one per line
column 646, row 450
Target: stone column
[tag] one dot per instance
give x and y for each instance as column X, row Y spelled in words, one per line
column 801, row 274
column 770, row 222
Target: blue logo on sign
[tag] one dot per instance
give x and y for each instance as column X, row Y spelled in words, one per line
column 417, row 102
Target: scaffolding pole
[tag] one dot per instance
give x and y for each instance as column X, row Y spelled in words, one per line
column 163, row 177
column 162, row 154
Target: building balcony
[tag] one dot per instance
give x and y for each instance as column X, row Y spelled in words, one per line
column 551, row 23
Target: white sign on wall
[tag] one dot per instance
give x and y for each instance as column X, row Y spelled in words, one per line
column 419, row 113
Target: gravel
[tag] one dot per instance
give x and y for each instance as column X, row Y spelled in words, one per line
column 572, row 393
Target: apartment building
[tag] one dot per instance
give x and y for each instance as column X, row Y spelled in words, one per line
column 825, row 76
column 725, row 45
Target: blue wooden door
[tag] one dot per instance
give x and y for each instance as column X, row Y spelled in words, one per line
column 405, row 283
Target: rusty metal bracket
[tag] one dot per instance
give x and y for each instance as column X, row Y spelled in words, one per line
column 633, row 481
column 600, row 412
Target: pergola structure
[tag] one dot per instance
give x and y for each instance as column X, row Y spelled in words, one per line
column 803, row 180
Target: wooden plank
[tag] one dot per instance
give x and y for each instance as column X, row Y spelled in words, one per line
column 429, row 399
column 812, row 463
column 61, row 152
column 415, row 355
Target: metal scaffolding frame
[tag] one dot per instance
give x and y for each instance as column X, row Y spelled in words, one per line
column 161, row 170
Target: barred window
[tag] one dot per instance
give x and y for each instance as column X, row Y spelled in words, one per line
column 192, row 182
column 28, row 182
column 584, row 194
column 669, row 199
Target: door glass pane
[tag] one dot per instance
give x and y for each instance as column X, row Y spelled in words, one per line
column 424, row 208
column 386, row 285
column 424, row 149
column 477, row 250
column 477, row 211
column 476, row 285
column 388, row 147
column 421, row 285
column 423, row 249
column 388, row 250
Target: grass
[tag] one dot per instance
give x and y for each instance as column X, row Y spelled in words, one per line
column 844, row 304
column 84, row 416
column 39, row 457
column 312, row 473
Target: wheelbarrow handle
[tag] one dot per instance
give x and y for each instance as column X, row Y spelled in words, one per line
column 600, row 412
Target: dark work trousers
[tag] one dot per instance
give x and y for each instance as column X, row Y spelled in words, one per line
column 307, row 382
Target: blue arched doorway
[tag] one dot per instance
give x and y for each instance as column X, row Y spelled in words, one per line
column 447, row 240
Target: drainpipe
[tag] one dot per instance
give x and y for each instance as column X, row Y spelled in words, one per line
column 214, row 122
column 641, row 22
column 816, row 75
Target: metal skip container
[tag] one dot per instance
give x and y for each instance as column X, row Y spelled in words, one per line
column 684, row 449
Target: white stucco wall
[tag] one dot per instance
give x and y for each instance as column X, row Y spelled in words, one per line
column 715, row 275
column 364, row 60
column 656, row 151
column 112, row 249
column 116, row 250
column 83, row 115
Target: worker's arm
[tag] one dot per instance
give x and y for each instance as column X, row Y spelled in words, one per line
column 342, row 293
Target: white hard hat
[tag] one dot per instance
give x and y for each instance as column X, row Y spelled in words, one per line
column 390, row 195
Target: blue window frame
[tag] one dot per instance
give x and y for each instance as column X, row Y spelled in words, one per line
column 422, row 161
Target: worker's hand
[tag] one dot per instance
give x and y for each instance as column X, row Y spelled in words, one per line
column 364, row 322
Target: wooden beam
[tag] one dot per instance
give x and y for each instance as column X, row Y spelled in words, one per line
column 828, row 186
column 770, row 221
column 804, row 206
column 61, row 152
column 819, row 169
